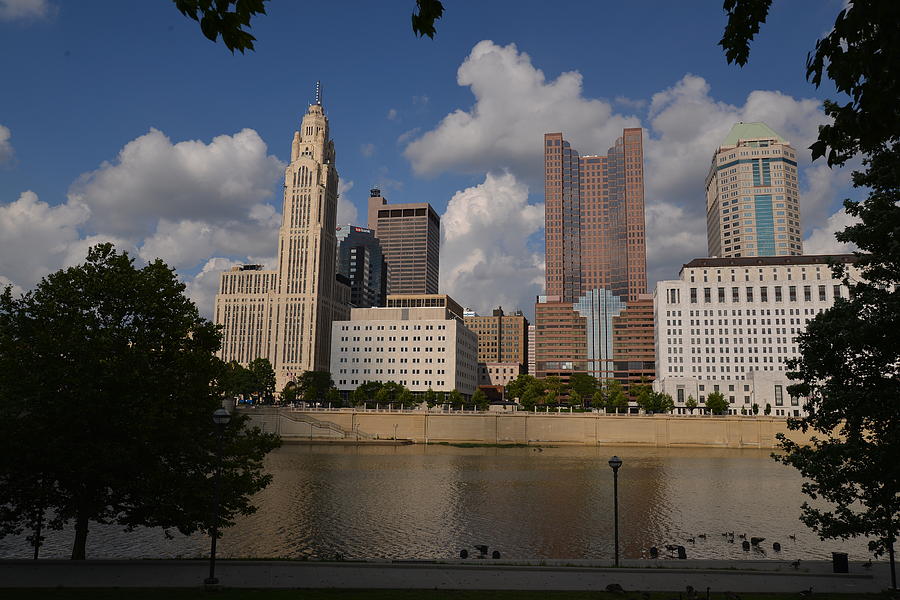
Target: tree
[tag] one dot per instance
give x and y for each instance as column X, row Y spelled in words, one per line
column 333, row 397
column 597, row 399
column 755, row 408
column 314, row 385
column 234, row 380
column 262, row 376
column 110, row 368
column 456, row 399
column 691, row 403
column 517, row 387
column 290, row 393
column 615, row 397
column 583, row 383
column 575, row 399
column 849, row 357
column 365, row 393
column 230, row 19
column 479, row 399
column 716, row 403
column 406, row 399
column 768, row 409
column 430, row 398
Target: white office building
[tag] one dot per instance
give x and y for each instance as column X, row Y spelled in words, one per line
column 730, row 324
column 419, row 344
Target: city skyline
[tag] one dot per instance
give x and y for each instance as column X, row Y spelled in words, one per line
column 439, row 139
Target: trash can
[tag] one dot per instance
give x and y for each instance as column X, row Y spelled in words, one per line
column 839, row 562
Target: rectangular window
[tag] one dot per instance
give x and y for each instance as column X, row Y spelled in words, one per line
column 792, row 293
column 807, row 293
column 749, row 294
column 779, row 399
column 680, row 394
column 837, row 292
column 693, row 295
column 721, row 294
column 821, row 293
column 707, row 295
column 777, row 293
column 763, row 294
column 735, row 296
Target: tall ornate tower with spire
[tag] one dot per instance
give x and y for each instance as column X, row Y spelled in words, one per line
column 285, row 315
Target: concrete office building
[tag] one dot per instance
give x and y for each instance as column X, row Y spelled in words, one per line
column 410, row 236
column 285, row 314
column 594, row 219
column 361, row 261
column 752, row 200
column 730, row 324
column 634, row 342
column 502, row 338
column 531, row 343
column 421, row 345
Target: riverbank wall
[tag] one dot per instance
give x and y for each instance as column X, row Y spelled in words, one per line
column 591, row 429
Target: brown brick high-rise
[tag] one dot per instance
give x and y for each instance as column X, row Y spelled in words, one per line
column 594, row 218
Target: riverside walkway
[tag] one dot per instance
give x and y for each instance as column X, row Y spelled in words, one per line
column 644, row 575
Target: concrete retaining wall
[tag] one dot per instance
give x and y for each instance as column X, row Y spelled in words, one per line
column 534, row 428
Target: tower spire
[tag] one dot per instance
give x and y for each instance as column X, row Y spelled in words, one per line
column 319, row 93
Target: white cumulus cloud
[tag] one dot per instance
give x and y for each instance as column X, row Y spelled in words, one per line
column 36, row 238
column 485, row 256
column 514, row 106
column 11, row 10
column 821, row 240
column 6, row 148
column 346, row 210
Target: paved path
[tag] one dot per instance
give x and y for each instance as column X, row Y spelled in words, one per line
column 720, row 576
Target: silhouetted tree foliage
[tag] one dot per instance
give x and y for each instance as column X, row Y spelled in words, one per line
column 108, row 382
column 262, row 376
column 314, row 385
column 849, row 364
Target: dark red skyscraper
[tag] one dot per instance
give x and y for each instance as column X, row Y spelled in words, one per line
column 594, row 223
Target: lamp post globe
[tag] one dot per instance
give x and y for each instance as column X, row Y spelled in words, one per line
column 221, row 417
column 614, row 463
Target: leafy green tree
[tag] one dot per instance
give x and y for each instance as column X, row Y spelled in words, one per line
column 235, row 380
column 314, row 385
column 755, row 408
column 716, row 403
column 333, row 397
column 583, row 383
column 597, row 400
column 528, row 399
column 456, row 399
column 768, row 409
column 290, row 393
column 430, row 398
column 691, row 403
column 479, row 399
column 518, row 387
column 743, row 410
column 575, row 399
column 262, row 376
column 110, row 368
column 616, row 399
column 406, row 399
column 364, row 395
column 230, row 19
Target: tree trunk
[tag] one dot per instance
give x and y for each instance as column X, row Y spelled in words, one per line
column 81, row 531
column 38, row 526
column 893, row 568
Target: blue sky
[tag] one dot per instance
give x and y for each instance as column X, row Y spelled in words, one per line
column 456, row 117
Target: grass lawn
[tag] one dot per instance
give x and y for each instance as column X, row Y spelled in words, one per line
column 242, row 594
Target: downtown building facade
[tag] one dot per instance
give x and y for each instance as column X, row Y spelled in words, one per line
column 420, row 342
column 410, row 236
column 362, row 262
column 285, row 314
column 502, row 346
column 595, row 262
column 731, row 324
column 752, row 198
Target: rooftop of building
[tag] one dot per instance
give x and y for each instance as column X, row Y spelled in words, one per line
column 769, row 261
column 751, row 131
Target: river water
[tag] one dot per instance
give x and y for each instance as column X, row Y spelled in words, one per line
column 426, row 502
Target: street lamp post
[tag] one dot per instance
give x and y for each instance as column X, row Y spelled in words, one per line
column 221, row 419
column 614, row 463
